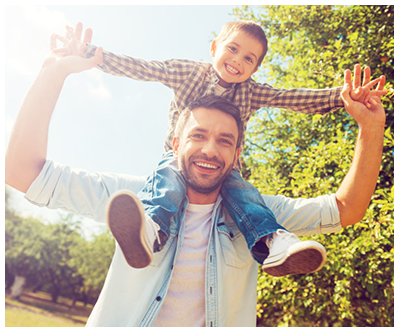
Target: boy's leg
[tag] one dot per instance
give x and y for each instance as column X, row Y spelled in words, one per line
column 134, row 232
column 163, row 194
column 280, row 252
column 133, row 220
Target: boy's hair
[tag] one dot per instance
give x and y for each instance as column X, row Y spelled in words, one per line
column 253, row 29
column 209, row 102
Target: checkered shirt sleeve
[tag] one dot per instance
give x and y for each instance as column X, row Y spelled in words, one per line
column 308, row 101
column 171, row 73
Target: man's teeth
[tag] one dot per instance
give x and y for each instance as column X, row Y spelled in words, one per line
column 232, row 69
column 206, row 165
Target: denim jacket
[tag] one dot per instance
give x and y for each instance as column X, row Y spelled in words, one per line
column 133, row 297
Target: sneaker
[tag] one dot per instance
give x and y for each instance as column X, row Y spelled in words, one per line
column 289, row 255
column 128, row 225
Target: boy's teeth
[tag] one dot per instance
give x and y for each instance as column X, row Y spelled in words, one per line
column 206, row 165
column 231, row 69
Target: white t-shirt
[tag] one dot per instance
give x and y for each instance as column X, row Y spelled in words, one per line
column 184, row 304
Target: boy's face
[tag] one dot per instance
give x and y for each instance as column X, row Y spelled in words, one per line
column 235, row 59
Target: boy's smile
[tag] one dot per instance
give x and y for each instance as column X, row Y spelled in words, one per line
column 235, row 59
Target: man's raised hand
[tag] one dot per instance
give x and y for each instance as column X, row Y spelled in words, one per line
column 371, row 115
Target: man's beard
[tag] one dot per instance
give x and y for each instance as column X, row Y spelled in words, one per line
column 203, row 185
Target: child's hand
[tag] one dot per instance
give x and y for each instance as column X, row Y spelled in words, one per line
column 72, row 44
column 65, row 64
column 363, row 93
column 365, row 116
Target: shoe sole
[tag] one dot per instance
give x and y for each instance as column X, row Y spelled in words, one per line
column 125, row 217
column 300, row 261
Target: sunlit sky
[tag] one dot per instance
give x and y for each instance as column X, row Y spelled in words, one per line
column 101, row 122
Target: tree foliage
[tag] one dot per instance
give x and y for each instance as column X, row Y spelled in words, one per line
column 308, row 155
column 56, row 258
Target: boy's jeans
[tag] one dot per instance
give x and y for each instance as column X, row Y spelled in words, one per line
column 165, row 190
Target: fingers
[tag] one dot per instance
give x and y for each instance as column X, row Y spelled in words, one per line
column 78, row 30
column 77, row 33
column 53, row 40
column 88, row 36
column 98, row 56
column 367, row 75
column 348, row 77
column 347, row 87
column 381, row 84
column 357, row 73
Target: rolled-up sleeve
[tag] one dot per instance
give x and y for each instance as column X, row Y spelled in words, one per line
column 80, row 192
column 310, row 216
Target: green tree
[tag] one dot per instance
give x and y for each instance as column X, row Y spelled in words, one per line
column 305, row 156
column 55, row 257
column 92, row 260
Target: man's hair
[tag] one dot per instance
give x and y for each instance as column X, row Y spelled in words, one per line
column 253, row 29
column 210, row 102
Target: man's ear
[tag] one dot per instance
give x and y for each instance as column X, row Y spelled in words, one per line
column 236, row 156
column 213, row 48
column 176, row 144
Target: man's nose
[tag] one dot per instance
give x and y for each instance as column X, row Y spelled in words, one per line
column 210, row 148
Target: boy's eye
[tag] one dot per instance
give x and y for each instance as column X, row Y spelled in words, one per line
column 232, row 48
column 249, row 60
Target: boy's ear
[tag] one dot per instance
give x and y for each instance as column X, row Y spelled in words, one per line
column 176, row 144
column 255, row 70
column 213, row 48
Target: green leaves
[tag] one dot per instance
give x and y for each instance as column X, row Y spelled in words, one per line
column 306, row 156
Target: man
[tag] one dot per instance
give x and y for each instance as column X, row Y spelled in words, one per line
column 223, row 289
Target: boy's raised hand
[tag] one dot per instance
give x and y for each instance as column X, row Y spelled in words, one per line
column 363, row 93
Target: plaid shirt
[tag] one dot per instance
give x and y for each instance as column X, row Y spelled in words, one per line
column 191, row 80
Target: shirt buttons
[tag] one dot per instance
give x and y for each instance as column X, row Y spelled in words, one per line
column 158, row 298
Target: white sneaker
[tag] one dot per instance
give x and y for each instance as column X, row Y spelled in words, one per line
column 289, row 255
column 132, row 229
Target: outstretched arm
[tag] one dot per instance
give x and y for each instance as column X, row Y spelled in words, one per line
column 354, row 194
column 27, row 148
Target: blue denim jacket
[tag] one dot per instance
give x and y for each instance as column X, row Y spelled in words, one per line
column 133, row 297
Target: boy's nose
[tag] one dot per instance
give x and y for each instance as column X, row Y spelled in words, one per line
column 237, row 60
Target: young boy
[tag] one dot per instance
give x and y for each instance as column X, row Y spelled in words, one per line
column 237, row 53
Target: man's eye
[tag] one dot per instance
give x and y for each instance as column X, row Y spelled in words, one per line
column 226, row 142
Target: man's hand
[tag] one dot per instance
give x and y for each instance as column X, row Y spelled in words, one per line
column 363, row 94
column 73, row 45
column 365, row 116
column 68, row 58
column 354, row 194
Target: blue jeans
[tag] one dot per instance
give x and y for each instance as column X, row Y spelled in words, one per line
column 165, row 189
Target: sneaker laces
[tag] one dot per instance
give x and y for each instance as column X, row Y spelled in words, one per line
column 154, row 227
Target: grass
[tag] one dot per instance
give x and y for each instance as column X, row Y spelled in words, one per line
column 37, row 310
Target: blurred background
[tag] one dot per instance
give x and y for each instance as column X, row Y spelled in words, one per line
column 56, row 263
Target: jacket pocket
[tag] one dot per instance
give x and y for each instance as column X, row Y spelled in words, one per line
column 234, row 246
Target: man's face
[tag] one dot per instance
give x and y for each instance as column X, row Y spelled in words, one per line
column 235, row 59
column 207, row 150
